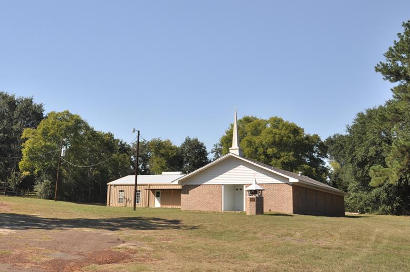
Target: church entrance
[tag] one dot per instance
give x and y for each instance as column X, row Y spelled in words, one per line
column 233, row 197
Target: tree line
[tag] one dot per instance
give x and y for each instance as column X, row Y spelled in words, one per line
column 31, row 144
column 370, row 162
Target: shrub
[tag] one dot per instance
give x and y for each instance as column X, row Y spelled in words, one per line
column 44, row 188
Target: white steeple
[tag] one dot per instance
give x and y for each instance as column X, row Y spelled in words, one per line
column 235, row 139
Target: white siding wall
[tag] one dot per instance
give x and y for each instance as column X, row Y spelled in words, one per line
column 234, row 171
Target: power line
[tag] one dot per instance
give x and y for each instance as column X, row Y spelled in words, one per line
column 5, row 157
column 42, row 154
column 68, row 162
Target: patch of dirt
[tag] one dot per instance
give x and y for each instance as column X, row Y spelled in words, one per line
column 78, row 241
column 8, row 267
column 59, row 250
column 96, row 257
column 107, row 256
column 13, row 258
column 4, row 207
column 6, row 231
column 64, row 256
column 165, row 239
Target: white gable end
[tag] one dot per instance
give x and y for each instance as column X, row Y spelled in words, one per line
column 234, row 171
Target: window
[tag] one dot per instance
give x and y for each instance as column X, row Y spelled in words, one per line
column 121, row 196
column 138, row 196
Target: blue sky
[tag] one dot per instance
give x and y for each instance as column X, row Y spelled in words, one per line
column 180, row 68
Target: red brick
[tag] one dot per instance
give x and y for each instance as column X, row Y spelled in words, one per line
column 201, row 197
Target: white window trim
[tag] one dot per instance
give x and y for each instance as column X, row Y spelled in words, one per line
column 121, row 199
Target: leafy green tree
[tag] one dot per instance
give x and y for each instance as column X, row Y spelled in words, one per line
column 216, row 151
column 281, row 144
column 143, row 159
column 163, row 156
column 194, row 154
column 16, row 114
column 396, row 67
column 14, row 181
column 351, row 156
column 375, row 152
column 91, row 160
column 396, row 171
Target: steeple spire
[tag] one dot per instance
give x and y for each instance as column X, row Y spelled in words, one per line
column 235, row 139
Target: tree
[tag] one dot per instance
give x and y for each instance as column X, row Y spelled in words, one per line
column 92, row 158
column 281, row 144
column 396, row 69
column 16, row 114
column 194, row 154
column 163, row 156
column 352, row 156
column 143, row 157
column 375, row 152
column 216, row 151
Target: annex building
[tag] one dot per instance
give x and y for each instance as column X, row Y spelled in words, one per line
column 220, row 186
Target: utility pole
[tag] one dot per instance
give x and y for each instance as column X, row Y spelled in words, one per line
column 136, row 170
column 58, row 170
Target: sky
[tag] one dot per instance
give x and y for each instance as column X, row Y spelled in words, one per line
column 181, row 68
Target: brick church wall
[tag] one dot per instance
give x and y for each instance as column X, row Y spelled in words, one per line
column 201, row 197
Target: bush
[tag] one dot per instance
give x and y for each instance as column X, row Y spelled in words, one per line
column 14, row 181
column 44, row 188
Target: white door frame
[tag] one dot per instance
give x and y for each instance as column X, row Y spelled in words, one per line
column 244, row 198
column 243, row 195
column 223, row 198
column 157, row 200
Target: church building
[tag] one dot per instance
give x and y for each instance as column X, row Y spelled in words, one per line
column 220, row 186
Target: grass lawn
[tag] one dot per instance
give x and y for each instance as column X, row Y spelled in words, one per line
column 43, row 235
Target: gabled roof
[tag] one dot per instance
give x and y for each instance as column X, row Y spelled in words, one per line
column 293, row 177
column 147, row 179
column 300, row 178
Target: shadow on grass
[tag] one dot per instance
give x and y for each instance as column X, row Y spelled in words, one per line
column 278, row 214
column 23, row 222
column 316, row 215
column 355, row 216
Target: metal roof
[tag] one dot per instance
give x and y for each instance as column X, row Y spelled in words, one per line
column 146, row 179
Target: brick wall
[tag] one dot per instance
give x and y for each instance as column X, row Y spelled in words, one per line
column 315, row 202
column 254, row 205
column 201, row 197
column 277, row 198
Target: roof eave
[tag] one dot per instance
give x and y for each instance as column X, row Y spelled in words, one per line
column 327, row 189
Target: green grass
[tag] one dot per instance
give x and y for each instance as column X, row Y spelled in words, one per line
column 200, row 241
